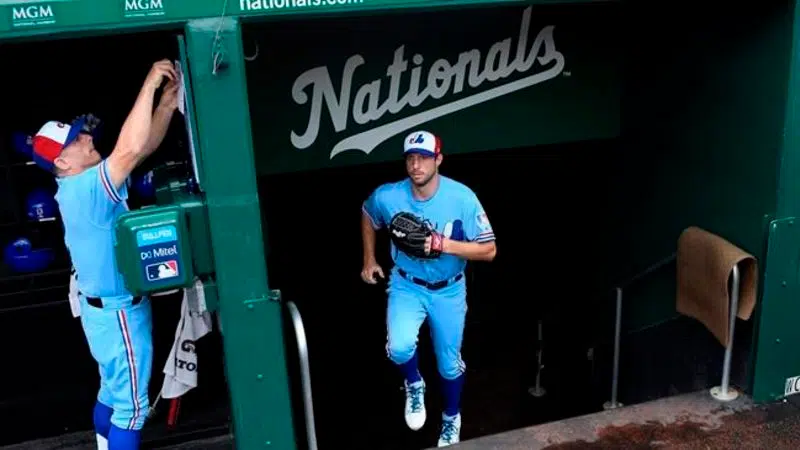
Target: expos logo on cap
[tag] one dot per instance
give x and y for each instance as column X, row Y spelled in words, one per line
column 52, row 138
column 423, row 143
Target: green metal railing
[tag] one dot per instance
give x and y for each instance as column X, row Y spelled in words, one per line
column 614, row 403
column 721, row 392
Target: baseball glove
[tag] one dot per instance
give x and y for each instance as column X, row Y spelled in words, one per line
column 409, row 233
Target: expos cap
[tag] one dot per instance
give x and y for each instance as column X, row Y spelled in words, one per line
column 52, row 138
column 422, row 142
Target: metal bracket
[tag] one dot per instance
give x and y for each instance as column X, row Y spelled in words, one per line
column 275, row 295
column 211, row 294
column 251, row 302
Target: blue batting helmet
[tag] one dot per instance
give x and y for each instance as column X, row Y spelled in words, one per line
column 143, row 185
column 20, row 256
column 41, row 205
column 22, row 143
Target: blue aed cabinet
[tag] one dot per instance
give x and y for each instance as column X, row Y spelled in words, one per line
column 153, row 250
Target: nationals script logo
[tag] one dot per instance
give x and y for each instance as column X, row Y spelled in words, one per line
column 442, row 78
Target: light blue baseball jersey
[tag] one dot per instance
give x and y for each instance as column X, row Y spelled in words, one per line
column 89, row 205
column 120, row 333
column 454, row 210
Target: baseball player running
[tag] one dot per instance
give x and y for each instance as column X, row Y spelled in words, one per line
column 436, row 225
column 92, row 193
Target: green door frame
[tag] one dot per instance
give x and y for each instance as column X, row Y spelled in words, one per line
column 251, row 317
column 776, row 359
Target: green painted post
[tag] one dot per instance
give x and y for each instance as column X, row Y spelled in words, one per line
column 251, row 322
column 789, row 182
column 776, row 365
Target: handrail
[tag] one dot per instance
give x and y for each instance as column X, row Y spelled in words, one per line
column 721, row 392
column 302, row 347
column 650, row 269
column 613, row 403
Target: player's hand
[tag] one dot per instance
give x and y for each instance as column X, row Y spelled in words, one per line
column 169, row 98
column 435, row 243
column 369, row 271
column 160, row 70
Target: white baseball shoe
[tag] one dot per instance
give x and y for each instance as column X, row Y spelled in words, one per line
column 415, row 404
column 451, row 430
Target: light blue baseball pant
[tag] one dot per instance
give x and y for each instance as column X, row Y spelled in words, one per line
column 446, row 309
column 120, row 340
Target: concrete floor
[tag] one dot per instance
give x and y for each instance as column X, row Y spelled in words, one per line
column 685, row 422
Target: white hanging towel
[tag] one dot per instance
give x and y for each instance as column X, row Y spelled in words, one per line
column 181, row 368
column 74, row 301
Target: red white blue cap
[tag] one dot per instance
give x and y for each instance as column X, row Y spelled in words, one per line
column 52, row 138
column 422, row 142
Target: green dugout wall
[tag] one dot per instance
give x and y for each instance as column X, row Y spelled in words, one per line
column 697, row 113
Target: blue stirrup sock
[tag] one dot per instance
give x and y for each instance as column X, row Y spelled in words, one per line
column 119, row 439
column 452, row 395
column 102, row 419
column 410, row 370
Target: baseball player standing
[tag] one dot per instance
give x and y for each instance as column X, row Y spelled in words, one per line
column 92, row 193
column 432, row 285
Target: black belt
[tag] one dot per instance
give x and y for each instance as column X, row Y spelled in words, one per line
column 435, row 286
column 97, row 302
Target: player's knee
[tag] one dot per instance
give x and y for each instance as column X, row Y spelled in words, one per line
column 131, row 417
column 401, row 350
column 451, row 368
column 126, row 421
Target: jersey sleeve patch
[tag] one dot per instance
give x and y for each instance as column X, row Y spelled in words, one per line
column 485, row 231
column 483, row 228
column 476, row 221
column 483, row 221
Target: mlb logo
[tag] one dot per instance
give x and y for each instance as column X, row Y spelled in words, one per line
column 162, row 270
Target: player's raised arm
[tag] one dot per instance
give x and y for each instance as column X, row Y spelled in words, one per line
column 162, row 117
column 135, row 140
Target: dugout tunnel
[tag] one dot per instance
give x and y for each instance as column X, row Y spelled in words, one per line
column 588, row 174
column 632, row 124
